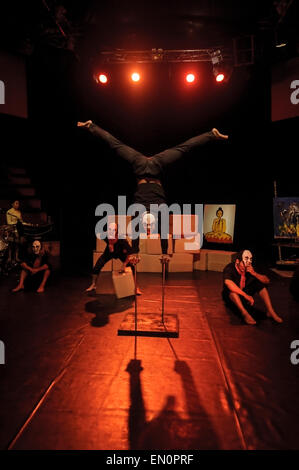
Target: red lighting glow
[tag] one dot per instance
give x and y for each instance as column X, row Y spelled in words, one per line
column 103, row 78
column 220, row 77
column 190, row 78
column 135, row 77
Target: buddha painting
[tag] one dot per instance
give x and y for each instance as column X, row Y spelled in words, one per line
column 218, row 233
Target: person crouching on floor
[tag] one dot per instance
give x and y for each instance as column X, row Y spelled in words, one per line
column 117, row 248
column 35, row 269
column 241, row 282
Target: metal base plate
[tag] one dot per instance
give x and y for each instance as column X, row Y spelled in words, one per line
column 150, row 324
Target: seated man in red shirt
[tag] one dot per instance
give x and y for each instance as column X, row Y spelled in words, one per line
column 241, row 282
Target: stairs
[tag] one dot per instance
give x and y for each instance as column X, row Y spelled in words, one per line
column 15, row 184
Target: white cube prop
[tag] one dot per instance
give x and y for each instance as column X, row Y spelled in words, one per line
column 183, row 225
column 185, row 245
column 200, row 261
column 124, row 285
column 180, row 262
column 149, row 264
column 153, row 245
column 218, row 259
column 100, row 245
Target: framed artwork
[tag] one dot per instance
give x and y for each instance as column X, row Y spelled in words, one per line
column 286, row 217
column 219, row 223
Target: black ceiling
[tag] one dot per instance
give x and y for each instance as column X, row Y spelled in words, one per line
column 88, row 26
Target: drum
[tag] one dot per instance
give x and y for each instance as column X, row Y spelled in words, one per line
column 3, row 245
column 7, row 233
column 37, row 230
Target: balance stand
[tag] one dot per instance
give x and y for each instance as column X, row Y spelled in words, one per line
column 153, row 323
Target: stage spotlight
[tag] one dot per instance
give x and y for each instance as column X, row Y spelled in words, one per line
column 221, row 70
column 103, row 78
column 135, row 77
column 220, row 77
column 222, row 73
column 100, row 78
column 190, row 78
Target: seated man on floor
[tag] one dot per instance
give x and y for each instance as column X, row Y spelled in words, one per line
column 35, row 270
column 117, row 248
column 241, row 282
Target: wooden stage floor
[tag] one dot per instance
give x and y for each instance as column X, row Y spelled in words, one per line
column 69, row 382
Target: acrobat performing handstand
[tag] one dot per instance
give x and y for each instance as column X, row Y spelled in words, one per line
column 149, row 170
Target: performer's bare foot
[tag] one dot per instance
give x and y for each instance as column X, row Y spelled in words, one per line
column 40, row 290
column 84, row 124
column 91, row 287
column 138, row 291
column 18, row 288
column 219, row 135
column 248, row 318
column 274, row 316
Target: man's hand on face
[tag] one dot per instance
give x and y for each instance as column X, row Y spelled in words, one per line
column 250, row 270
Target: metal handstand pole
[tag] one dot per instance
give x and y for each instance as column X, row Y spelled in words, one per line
column 164, row 260
column 135, row 260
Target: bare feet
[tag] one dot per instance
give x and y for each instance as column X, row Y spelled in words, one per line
column 218, row 135
column 84, row 124
column 138, row 291
column 18, row 288
column 91, row 287
column 275, row 317
column 248, row 318
column 40, row 289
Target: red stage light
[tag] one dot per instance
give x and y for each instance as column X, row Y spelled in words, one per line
column 220, row 77
column 135, row 77
column 190, row 78
column 103, row 78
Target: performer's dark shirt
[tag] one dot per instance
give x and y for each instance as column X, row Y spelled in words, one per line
column 232, row 274
column 36, row 261
column 149, row 193
column 121, row 249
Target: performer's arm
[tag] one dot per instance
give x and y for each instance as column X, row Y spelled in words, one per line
column 236, row 290
column 260, row 277
column 24, row 265
column 44, row 267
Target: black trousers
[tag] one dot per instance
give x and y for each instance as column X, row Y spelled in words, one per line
column 147, row 167
column 104, row 258
column 150, row 166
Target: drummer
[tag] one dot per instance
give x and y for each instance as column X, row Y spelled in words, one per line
column 14, row 217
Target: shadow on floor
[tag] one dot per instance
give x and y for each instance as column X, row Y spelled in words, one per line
column 105, row 305
column 168, row 430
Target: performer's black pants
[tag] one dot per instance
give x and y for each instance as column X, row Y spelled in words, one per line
column 104, row 258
